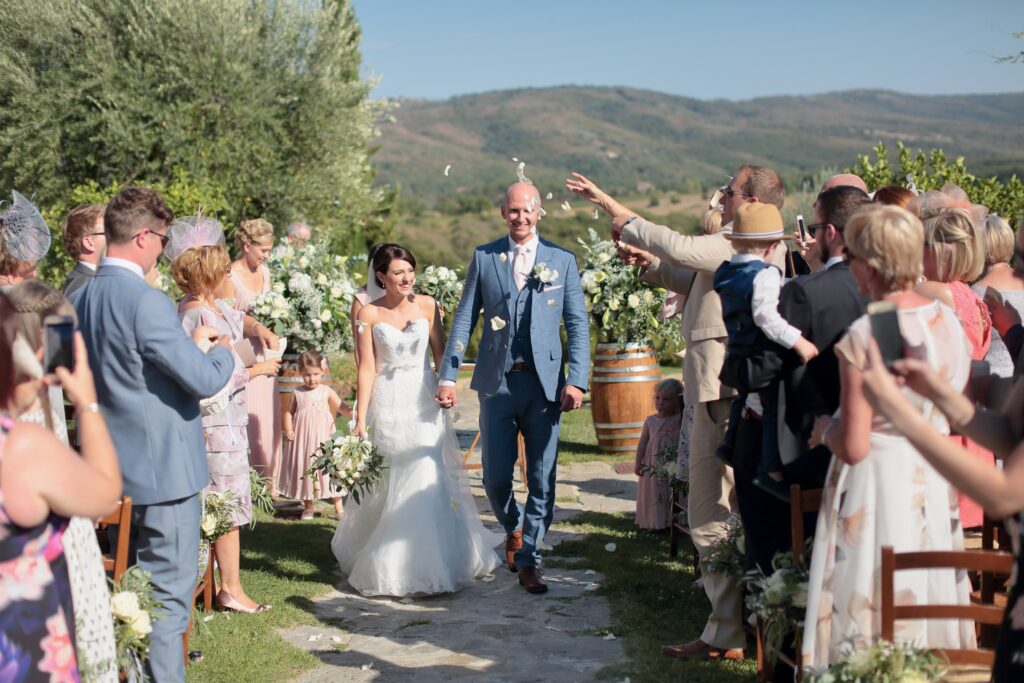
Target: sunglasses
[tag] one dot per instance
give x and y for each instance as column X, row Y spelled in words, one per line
column 814, row 227
column 729, row 192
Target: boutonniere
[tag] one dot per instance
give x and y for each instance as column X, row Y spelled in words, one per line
column 543, row 274
column 502, row 257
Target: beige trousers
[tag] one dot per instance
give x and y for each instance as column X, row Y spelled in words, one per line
column 711, row 501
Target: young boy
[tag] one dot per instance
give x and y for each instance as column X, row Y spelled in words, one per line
column 749, row 288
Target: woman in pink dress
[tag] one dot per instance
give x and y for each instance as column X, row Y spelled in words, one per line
column 251, row 278
column 660, row 431
column 307, row 424
column 954, row 255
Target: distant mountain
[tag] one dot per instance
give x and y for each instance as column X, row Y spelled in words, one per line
column 628, row 138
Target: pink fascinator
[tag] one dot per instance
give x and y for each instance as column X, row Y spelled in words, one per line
column 192, row 231
column 928, row 204
column 25, row 234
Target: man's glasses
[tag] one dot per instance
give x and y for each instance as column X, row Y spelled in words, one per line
column 814, row 227
column 164, row 239
column 729, row 192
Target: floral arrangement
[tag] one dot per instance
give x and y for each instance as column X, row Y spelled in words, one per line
column 622, row 308
column 728, row 555
column 260, row 491
column 219, row 508
column 884, row 662
column 351, row 463
column 134, row 609
column 309, row 299
column 779, row 601
column 664, row 467
column 444, row 284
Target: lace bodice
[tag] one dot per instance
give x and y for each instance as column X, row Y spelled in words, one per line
column 402, row 350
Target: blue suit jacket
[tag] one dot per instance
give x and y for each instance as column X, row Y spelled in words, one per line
column 489, row 286
column 149, row 378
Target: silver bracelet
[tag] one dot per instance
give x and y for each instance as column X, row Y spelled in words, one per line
column 93, row 407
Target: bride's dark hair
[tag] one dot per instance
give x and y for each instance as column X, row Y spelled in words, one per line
column 384, row 254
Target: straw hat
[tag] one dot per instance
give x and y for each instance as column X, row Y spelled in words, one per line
column 756, row 221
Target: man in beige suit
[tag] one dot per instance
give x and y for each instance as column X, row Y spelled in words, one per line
column 684, row 263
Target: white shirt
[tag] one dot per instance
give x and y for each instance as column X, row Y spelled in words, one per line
column 764, row 303
column 90, row 266
column 123, row 263
column 531, row 251
column 833, row 261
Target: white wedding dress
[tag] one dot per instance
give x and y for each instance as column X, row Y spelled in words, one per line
column 418, row 531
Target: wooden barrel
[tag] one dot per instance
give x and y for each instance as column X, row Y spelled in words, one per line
column 622, row 394
column 289, row 379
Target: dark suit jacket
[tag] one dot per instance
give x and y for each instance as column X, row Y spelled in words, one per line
column 822, row 305
column 79, row 277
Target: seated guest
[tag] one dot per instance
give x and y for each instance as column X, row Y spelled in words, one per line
column 24, row 240
column 1006, row 285
column 879, row 490
column 42, row 484
column 85, row 241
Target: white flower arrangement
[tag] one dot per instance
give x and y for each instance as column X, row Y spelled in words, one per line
column 727, row 555
column 779, row 601
column 664, row 467
column 219, row 508
column 134, row 609
column 351, row 463
column 884, row 661
column 443, row 284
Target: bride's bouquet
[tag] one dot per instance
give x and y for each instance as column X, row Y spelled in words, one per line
column 351, row 463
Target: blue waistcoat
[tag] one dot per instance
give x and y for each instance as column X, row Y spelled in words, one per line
column 521, row 348
column 734, row 283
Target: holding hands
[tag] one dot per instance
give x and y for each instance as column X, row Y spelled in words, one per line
column 445, row 397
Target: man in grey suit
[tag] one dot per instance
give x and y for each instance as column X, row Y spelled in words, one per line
column 526, row 287
column 85, row 240
column 149, row 378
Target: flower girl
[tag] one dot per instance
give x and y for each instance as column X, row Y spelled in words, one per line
column 308, row 422
column 660, row 432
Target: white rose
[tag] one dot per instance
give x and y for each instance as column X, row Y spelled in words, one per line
column 860, row 663
column 648, row 296
column 548, row 276
column 502, row 257
column 303, row 261
column 279, row 287
column 141, row 623
column 336, row 291
column 124, row 604
column 633, row 300
column 497, row 324
column 321, row 279
column 325, row 315
column 317, row 324
column 613, row 304
column 800, row 596
column 443, row 272
column 604, row 258
column 600, row 276
column 208, row 525
column 913, row 677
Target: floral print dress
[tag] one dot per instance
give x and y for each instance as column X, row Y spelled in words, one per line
column 36, row 623
column 891, row 498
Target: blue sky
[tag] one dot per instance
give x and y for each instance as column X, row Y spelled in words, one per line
column 435, row 49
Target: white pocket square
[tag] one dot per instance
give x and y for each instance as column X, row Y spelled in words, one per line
column 549, row 288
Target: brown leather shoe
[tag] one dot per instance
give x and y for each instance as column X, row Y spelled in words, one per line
column 532, row 580
column 698, row 649
column 513, row 542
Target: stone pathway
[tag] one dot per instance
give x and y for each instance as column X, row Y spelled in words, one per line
column 490, row 631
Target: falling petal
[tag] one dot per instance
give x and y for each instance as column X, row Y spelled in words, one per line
column 336, row 639
column 446, row 169
column 549, row 196
column 208, row 618
column 566, row 207
column 488, row 578
column 610, row 547
column 590, row 572
column 543, row 212
column 366, row 667
column 515, row 158
column 521, row 173
column 313, row 639
column 591, row 586
column 597, row 214
column 610, row 636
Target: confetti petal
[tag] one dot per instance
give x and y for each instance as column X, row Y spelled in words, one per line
column 366, row 667
column 336, row 639
column 549, row 195
column 591, row 586
column 446, row 169
column 515, row 158
column 610, row 636
column 566, row 207
column 597, row 214
column 488, row 578
column 611, row 547
column 590, row 572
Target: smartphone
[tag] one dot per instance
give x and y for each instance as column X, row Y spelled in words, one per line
column 58, row 343
column 994, row 294
column 885, row 328
column 801, row 229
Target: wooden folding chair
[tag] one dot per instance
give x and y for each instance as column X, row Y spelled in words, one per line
column 116, row 561
column 204, row 590
column 971, row 560
column 992, row 586
column 678, row 530
column 520, row 461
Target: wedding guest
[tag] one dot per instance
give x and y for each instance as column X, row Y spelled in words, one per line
column 308, row 423
column 1006, row 287
column 150, row 377
column 43, row 483
column 893, row 195
column 954, row 255
column 24, row 240
column 298, row 234
column 33, row 301
column 85, row 241
column 879, row 491
column 660, row 431
column 199, row 265
column 251, row 278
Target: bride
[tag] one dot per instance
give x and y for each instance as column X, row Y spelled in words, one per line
column 418, row 530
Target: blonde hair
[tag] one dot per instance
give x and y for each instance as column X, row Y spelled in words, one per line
column 711, row 221
column 255, row 231
column 32, row 301
column 751, row 246
column 200, row 269
column 890, row 239
column 670, row 383
column 958, row 244
column 999, row 240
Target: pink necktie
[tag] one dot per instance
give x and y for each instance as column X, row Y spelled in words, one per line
column 519, row 270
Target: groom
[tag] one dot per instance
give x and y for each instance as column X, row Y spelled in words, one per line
column 527, row 287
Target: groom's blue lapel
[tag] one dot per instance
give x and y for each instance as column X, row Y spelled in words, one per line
column 502, row 271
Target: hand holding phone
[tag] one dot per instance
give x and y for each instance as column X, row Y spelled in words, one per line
column 801, row 229
column 885, row 328
column 58, row 343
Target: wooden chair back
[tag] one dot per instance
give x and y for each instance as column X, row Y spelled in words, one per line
column 801, row 503
column 204, row 591
column 971, row 560
column 116, row 562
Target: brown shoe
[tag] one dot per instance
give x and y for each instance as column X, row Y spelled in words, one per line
column 513, row 542
column 532, row 580
column 698, row 649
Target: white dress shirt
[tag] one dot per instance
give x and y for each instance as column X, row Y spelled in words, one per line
column 123, row 263
column 90, row 266
column 531, row 252
column 833, row 261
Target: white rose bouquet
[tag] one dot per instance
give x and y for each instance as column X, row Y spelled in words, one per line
column 134, row 609
column 728, row 555
column 351, row 463
column 310, row 298
column 609, row 286
column 444, row 284
column 886, row 662
column 779, row 601
column 219, row 508
column 664, row 467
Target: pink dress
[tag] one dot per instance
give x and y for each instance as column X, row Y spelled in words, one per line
column 313, row 424
column 653, row 494
column 973, row 314
column 261, row 395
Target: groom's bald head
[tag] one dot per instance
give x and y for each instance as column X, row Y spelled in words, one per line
column 521, row 211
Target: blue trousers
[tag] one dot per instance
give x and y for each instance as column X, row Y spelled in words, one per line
column 165, row 543
column 519, row 406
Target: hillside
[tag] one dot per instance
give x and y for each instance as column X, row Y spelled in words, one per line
column 630, row 138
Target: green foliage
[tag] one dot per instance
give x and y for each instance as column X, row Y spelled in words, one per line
column 932, row 170
column 259, row 98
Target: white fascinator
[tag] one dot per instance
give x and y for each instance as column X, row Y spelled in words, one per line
column 192, row 231
column 25, row 234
